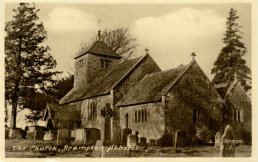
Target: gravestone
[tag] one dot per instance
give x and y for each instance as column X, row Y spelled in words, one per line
column 24, row 134
column 98, row 152
column 7, row 133
column 85, row 136
column 48, row 136
column 30, row 135
column 152, row 142
column 217, row 140
column 79, row 134
column 73, row 134
column 15, row 133
column 31, row 128
column 142, row 142
column 92, row 135
column 63, row 137
column 167, row 140
column 125, row 133
column 116, row 139
column 180, row 138
column 131, row 140
column 160, row 142
column 227, row 143
column 39, row 134
column 137, row 138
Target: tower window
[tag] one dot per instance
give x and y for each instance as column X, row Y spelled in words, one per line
column 81, row 63
column 105, row 63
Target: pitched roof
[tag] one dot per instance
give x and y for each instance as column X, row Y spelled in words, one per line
column 225, row 88
column 100, row 48
column 237, row 96
column 230, row 88
column 153, row 86
column 104, row 82
column 61, row 112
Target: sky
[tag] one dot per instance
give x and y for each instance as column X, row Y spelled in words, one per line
column 170, row 31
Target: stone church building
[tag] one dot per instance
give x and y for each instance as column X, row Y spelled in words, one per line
column 238, row 109
column 101, row 80
column 167, row 101
column 111, row 94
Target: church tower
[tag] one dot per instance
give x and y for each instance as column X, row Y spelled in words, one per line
column 88, row 64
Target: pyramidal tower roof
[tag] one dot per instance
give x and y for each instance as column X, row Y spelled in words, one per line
column 100, row 48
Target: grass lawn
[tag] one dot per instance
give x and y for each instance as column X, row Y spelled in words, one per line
column 31, row 149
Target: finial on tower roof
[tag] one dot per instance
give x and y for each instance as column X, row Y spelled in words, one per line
column 99, row 35
column 99, row 31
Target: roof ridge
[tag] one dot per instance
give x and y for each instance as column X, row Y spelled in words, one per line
column 140, row 59
column 231, row 88
column 151, row 75
column 113, row 65
column 210, row 82
column 84, row 53
column 147, row 75
column 167, row 70
column 103, row 46
column 175, row 81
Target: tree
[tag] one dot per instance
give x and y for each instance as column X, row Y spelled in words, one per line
column 119, row 40
column 28, row 63
column 51, row 95
column 60, row 88
column 230, row 64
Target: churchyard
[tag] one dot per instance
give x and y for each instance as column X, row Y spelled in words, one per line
column 81, row 143
column 31, row 149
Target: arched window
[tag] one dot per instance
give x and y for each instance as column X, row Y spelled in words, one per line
column 126, row 120
column 89, row 110
column 139, row 115
column 135, row 116
column 143, row 117
column 92, row 109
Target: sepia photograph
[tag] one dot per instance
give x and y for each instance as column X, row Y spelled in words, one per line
column 128, row 80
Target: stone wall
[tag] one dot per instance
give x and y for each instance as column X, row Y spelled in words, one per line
column 193, row 92
column 177, row 116
column 147, row 66
column 153, row 128
column 80, row 72
column 97, row 122
column 91, row 67
column 238, row 100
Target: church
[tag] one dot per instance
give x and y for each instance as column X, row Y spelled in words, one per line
column 111, row 95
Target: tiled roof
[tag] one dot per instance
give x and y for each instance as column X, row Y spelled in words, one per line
column 234, row 93
column 153, row 86
column 225, row 88
column 238, row 96
column 104, row 82
column 62, row 112
column 100, row 48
